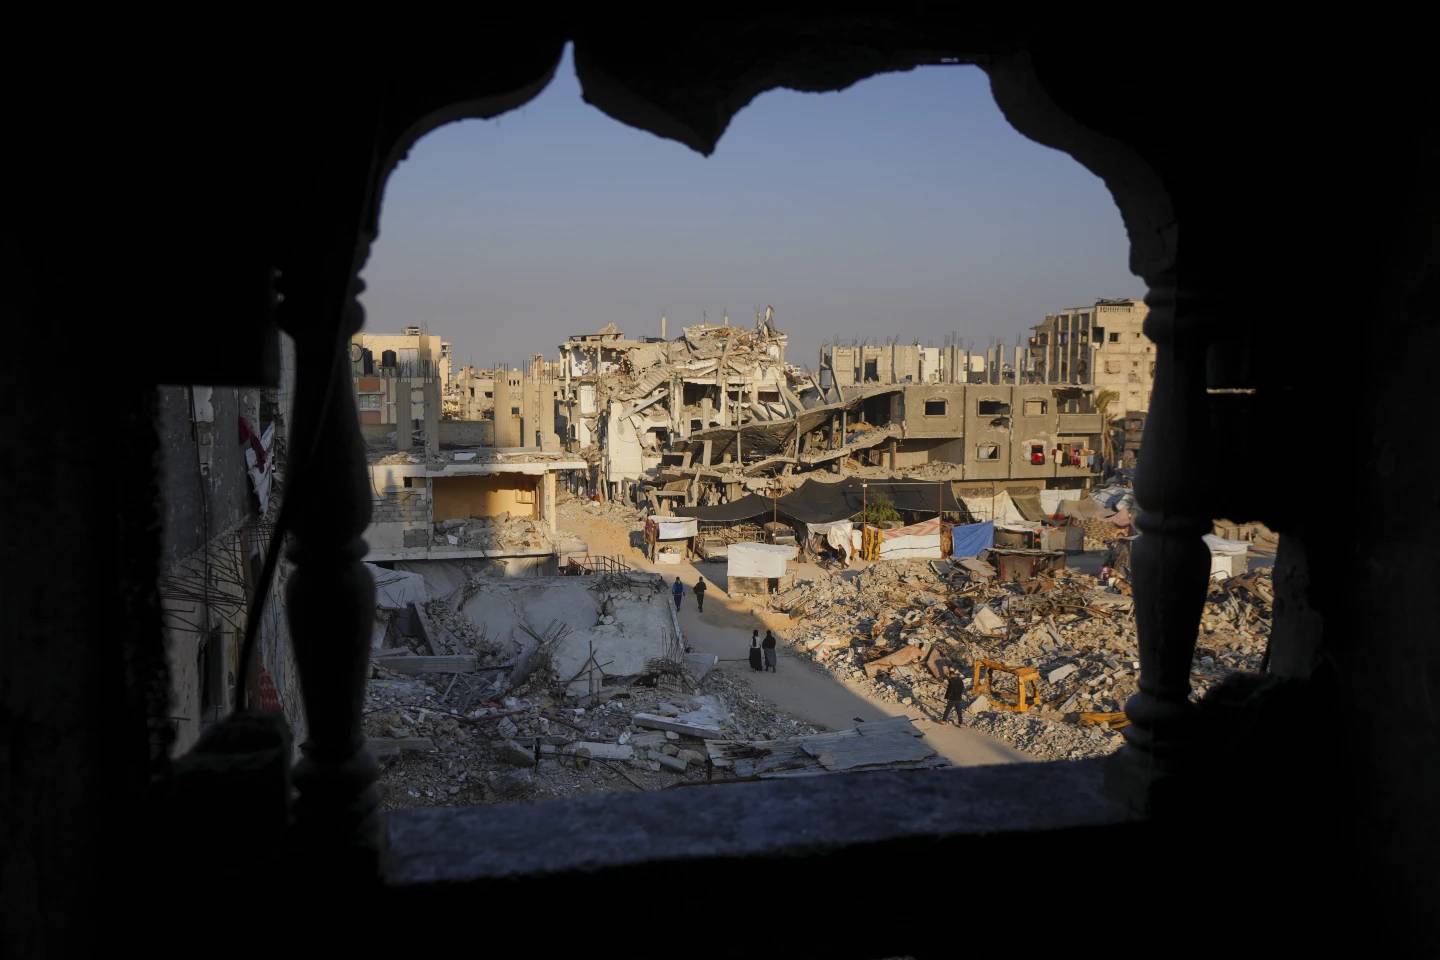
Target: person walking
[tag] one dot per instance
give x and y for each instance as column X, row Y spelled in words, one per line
column 756, row 662
column 954, row 693
column 700, row 594
column 678, row 589
column 768, row 645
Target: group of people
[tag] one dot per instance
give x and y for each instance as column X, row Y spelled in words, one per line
column 762, row 652
column 678, row 589
column 763, row 657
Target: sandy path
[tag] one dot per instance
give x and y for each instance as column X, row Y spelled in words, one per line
column 798, row 686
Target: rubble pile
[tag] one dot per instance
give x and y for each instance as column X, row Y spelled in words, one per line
column 535, row 744
column 573, row 508
column 500, row 532
column 895, row 626
column 456, row 716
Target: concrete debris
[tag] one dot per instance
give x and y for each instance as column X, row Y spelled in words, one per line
column 893, row 743
column 500, row 533
column 472, row 738
column 508, row 751
column 864, row 625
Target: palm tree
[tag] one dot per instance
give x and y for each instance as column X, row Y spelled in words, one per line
column 1103, row 399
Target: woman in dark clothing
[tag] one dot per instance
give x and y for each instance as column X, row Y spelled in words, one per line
column 756, row 663
column 768, row 645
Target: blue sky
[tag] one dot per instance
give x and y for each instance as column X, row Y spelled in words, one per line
column 903, row 206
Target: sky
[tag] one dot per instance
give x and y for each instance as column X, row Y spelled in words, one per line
column 904, row 206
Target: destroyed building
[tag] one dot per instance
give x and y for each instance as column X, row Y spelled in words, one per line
column 398, row 381
column 469, row 395
column 1102, row 345
column 630, row 402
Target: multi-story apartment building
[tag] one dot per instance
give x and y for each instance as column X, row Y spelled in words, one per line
column 1102, row 345
column 399, row 380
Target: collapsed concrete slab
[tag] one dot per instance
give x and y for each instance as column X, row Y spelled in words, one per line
column 594, row 626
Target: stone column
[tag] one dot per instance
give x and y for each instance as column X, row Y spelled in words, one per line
column 1170, row 562
column 330, row 595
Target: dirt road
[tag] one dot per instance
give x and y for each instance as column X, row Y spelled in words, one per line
column 798, row 686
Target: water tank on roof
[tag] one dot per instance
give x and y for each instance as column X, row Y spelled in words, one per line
column 387, row 358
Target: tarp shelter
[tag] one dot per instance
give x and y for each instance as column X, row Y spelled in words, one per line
column 996, row 508
column 1115, row 498
column 817, row 502
column 1228, row 558
column 672, row 530
column 919, row 541
column 397, row 589
column 767, row 560
column 1051, row 500
column 1029, row 506
column 749, row 507
column 675, row 528
column 838, row 536
column 1085, row 509
column 971, row 539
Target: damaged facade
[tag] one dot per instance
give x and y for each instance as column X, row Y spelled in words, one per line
column 1102, row 345
column 716, row 412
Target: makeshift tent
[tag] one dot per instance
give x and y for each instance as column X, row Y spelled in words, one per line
column 971, row 539
column 1051, row 500
column 817, row 502
column 917, row 541
column 1085, row 509
column 675, row 528
column 1114, row 497
column 766, row 560
column 997, row 507
column 1029, row 506
column 749, row 507
column 835, row 535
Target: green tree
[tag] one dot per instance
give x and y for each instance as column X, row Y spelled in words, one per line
column 878, row 509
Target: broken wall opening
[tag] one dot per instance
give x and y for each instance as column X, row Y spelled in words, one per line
column 486, row 496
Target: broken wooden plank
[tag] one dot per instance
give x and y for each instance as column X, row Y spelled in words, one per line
column 411, row 666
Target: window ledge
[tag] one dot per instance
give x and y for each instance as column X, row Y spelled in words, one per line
column 761, row 821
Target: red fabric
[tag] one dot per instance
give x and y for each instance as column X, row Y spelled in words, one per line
column 248, row 435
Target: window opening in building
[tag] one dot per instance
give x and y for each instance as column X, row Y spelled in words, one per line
column 620, row 456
